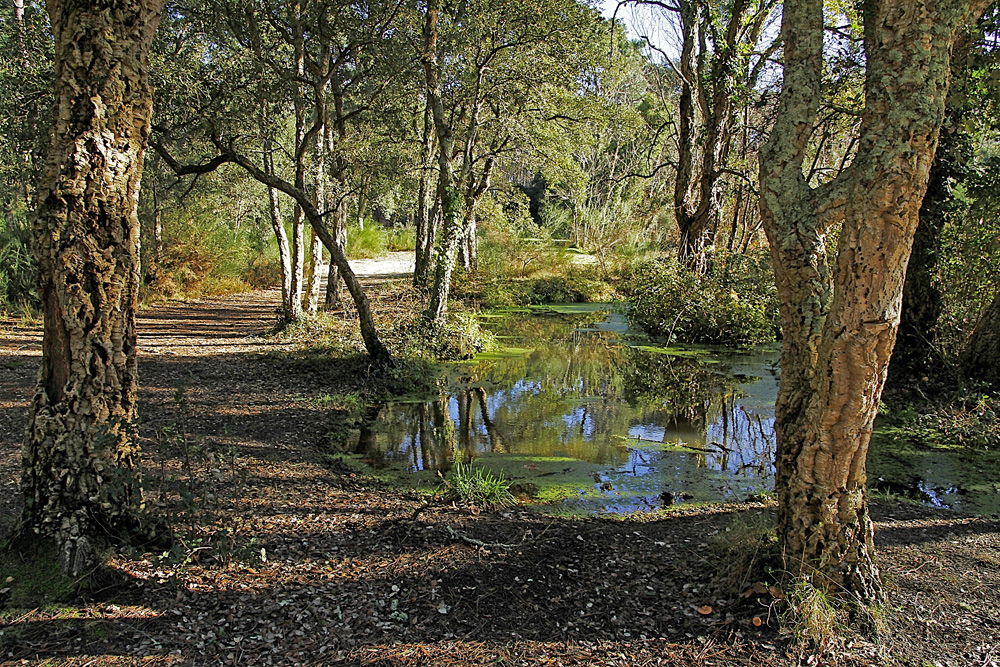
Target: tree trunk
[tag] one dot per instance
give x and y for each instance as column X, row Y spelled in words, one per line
column 837, row 342
column 334, row 282
column 298, row 223
column 449, row 193
column 316, row 274
column 297, row 287
column 373, row 344
column 278, row 225
column 425, row 217
column 78, row 464
column 981, row 358
column 157, row 226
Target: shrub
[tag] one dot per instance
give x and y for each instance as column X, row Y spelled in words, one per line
column 459, row 337
column 17, row 268
column 734, row 303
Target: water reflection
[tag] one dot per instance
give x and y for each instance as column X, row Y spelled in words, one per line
column 612, row 426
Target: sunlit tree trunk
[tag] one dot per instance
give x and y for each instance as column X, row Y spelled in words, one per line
column 424, row 216
column 298, row 250
column 78, row 464
column 278, row 226
column 838, row 334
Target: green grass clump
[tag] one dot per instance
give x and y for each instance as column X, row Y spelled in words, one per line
column 812, row 620
column 480, row 487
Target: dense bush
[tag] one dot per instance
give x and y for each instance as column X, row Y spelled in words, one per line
column 733, row 303
column 17, row 268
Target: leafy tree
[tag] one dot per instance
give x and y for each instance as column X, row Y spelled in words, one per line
column 487, row 67
column 839, row 323
column 721, row 53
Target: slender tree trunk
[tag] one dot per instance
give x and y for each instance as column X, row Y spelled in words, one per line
column 425, row 218
column 278, row 226
column 838, row 337
column 297, row 287
column 363, row 201
column 316, row 274
column 469, row 248
column 157, row 225
column 449, row 193
column 373, row 344
column 334, row 282
column 78, row 464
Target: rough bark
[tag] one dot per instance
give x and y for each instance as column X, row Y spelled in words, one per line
column 838, row 336
column 78, row 464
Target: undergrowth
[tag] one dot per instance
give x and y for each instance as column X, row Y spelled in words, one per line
column 961, row 418
column 733, row 303
column 17, row 269
column 374, row 240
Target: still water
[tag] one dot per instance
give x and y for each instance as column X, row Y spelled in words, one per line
column 584, row 415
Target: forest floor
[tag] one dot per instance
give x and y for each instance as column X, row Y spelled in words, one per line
column 284, row 556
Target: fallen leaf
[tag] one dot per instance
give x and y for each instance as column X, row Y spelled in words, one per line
column 706, row 610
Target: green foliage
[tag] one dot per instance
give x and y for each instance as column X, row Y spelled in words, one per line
column 17, row 268
column 218, row 241
column 734, row 303
column 970, row 253
column 479, row 487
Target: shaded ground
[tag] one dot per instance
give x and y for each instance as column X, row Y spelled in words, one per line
column 285, row 556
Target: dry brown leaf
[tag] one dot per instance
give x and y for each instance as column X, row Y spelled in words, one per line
column 705, row 610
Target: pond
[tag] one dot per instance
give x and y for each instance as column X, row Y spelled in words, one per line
column 582, row 414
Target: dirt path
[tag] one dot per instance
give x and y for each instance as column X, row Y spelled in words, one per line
column 284, row 556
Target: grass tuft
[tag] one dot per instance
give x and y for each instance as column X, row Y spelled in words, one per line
column 480, row 487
